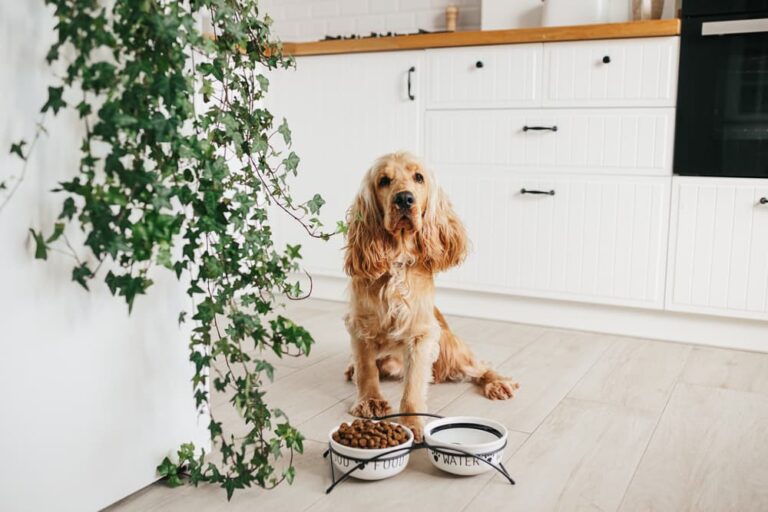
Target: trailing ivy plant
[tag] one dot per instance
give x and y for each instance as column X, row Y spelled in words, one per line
column 168, row 181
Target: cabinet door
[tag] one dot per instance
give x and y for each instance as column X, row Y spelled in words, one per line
column 597, row 239
column 719, row 247
column 585, row 141
column 344, row 111
column 611, row 73
column 484, row 76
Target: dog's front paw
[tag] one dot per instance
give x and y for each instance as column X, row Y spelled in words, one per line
column 500, row 389
column 370, row 408
column 416, row 425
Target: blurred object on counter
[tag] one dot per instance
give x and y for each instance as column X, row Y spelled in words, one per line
column 649, row 9
column 451, row 18
column 573, row 12
column 505, row 14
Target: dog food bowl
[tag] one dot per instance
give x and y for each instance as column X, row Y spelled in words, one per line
column 450, row 439
column 345, row 458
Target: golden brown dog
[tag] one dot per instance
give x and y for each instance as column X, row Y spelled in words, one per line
column 402, row 231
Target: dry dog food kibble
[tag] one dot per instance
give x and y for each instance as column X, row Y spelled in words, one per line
column 371, row 435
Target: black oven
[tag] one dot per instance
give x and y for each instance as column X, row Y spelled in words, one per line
column 722, row 100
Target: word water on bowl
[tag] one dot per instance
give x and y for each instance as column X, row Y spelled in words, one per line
column 462, row 445
column 390, row 460
column 448, row 459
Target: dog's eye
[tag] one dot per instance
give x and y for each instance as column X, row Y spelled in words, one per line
column 384, row 181
column 418, row 177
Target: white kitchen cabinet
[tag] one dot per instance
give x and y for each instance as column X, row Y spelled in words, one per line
column 597, row 239
column 718, row 260
column 588, row 141
column 345, row 111
column 484, row 76
column 611, row 73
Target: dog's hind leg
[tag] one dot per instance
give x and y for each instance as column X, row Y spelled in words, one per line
column 457, row 363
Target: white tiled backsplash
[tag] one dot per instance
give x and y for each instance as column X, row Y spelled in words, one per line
column 310, row 20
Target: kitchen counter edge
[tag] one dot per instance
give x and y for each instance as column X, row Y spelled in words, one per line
column 649, row 28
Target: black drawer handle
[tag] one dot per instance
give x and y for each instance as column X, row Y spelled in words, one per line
column 763, row 200
column 540, row 128
column 538, row 192
column 411, row 71
column 607, row 59
column 479, row 64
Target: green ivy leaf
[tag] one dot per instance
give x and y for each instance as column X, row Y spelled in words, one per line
column 83, row 109
column 58, row 230
column 263, row 82
column 290, row 474
column 285, row 131
column 41, row 248
column 293, row 251
column 81, row 274
column 315, row 204
column 17, row 149
column 291, row 162
column 170, row 471
column 55, row 101
column 68, row 209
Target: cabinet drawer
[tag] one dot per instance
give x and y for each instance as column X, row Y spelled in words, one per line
column 588, row 141
column 508, row 76
column 719, row 250
column 619, row 73
column 597, row 239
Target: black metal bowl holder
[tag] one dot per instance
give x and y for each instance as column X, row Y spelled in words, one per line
column 360, row 463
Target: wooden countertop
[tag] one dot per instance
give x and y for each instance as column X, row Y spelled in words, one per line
column 651, row 28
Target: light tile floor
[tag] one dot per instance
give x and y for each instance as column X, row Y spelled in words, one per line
column 600, row 423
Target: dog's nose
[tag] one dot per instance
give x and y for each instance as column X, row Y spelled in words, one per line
column 404, row 200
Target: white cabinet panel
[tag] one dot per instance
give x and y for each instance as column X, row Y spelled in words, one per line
column 484, row 76
column 620, row 73
column 345, row 111
column 615, row 141
column 719, row 247
column 597, row 239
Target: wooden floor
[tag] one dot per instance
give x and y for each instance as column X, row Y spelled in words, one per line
column 600, row 423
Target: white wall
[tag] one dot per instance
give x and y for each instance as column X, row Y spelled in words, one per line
column 309, row 20
column 92, row 399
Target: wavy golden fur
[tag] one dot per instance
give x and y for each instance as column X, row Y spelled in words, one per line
column 403, row 230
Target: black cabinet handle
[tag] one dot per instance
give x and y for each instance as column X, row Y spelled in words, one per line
column 763, row 200
column 411, row 71
column 540, row 128
column 479, row 64
column 538, row 192
column 607, row 59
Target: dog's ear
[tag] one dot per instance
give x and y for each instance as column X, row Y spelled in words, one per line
column 444, row 241
column 367, row 241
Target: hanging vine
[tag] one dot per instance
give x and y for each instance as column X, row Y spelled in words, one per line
column 165, row 181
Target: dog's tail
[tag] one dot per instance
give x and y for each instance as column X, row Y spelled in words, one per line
column 457, row 363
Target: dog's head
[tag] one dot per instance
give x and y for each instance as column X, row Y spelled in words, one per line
column 401, row 205
column 401, row 187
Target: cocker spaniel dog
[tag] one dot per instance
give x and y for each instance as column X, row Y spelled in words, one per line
column 402, row 231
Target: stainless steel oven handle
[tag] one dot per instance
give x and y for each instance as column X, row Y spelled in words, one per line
column 724, row 28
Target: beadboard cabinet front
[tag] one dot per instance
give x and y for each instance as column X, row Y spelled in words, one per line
column 583, row 238
column 484, row 77
column 719, row 247
column 587, row 141
column 611, row 73
column 345, row 111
